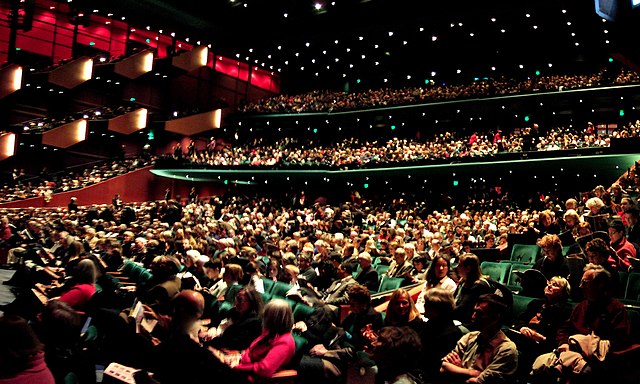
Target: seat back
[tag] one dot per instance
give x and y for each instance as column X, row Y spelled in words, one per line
column 497, row 271
column 390, row 283
column 301, row 312
column 633, row 286
column 280, row 289
column 525, row 253
column 381, row 269
column 520, row 304
column 232, row 291
column 513, row 282
column 624, row 279
column 268, row 284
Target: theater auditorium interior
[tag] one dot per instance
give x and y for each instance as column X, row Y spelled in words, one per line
column 310, row 191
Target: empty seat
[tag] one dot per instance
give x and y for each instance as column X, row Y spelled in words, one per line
column 497, row 271
column 390, row 283
column 624, row 278
column 525, row 253
column 633, row 286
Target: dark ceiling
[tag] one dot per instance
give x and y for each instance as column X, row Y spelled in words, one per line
column 384, row 42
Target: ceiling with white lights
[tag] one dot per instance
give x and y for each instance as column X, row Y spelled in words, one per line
column 313, row 43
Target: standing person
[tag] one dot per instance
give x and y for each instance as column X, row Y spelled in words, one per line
column 73, row 205
column 485, row 355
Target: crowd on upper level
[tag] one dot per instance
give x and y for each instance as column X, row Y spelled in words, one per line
column 23, row 186
column 356, row 153
column 330, row 101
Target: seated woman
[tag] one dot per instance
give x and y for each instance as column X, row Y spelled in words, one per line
column 397, row 355
column 553, row 263
column 600, row 253
column 84, row 285
column 271, row 351
column 21, row 353
column 59, row 327
column 437, row 277
column 401, row 311
column 470, row 287
column 242, row 326
column 539, row 323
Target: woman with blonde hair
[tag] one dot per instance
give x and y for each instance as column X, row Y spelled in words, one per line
column 402, row 311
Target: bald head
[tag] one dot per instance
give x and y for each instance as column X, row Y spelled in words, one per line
column 188, row 304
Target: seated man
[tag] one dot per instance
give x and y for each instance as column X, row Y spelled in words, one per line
column 327, row 361
column 485, row 355
column 368, row 276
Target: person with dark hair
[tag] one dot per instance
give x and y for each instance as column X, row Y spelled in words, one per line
column 396, row 352
column 470, row 287
column 59, row 328
column 241, row 326
column 485, row 355
column 437, row 277
column 180, row 347
column 631, row 224
column 328, row 361
column 22, row 359
column 337, row 293
column 600, row 253
column 271, row 351
column 624, row 249
column 163, row 286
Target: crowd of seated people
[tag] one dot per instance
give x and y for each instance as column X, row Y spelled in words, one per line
column 74, row 257
column 328, row 101
column 24, row 186
column 356, row 153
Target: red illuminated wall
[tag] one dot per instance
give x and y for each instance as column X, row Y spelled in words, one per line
column 137, row 186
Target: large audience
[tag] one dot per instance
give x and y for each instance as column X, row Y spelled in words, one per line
column 44, row 185
column 364, row 153
column 209, row 263
column 330, row 101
